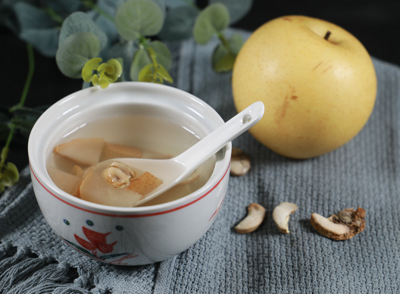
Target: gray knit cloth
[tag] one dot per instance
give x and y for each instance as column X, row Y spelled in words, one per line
column 364, row 172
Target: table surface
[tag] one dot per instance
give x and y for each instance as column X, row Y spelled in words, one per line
column 374, row 23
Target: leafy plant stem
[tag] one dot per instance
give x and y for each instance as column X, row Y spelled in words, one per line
column 150, row 53
column 224, row 42
column 90, row 4
column 143, row 42
column 191, row 4
column 21, row 103
column 54, row 15
column 4, row 151
column 30, row 75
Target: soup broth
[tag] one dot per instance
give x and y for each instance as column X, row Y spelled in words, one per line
column 122, row 136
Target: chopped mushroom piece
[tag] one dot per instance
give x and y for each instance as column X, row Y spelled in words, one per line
column 341, row 226
column 281, row 215
column 240, row 162
column 254, row 218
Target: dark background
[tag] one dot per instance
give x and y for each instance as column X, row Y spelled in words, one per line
column 375, row 23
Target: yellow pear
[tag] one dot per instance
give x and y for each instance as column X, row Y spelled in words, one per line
column 316, row 80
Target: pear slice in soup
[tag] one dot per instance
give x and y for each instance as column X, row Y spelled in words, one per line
column 82, row 151
column 111, row 150
column 95, row 189
column 63, row 180
column 77, row 171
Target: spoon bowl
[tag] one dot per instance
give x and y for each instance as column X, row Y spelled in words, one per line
column 172, row 171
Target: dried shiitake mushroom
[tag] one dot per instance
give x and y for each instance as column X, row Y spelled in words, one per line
column 240, row 162
column 341, row 226
column 254, row 218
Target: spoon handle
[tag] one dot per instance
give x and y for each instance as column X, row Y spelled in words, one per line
column 209, row 145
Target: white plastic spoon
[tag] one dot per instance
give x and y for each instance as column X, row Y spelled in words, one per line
column 172, row 171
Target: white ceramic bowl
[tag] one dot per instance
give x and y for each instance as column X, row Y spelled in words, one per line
column 120, row 235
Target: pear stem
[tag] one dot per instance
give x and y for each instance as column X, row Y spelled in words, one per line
column 328, row 33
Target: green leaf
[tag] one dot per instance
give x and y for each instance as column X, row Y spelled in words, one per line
column 5, row 180
column 2, row 187
column 161, row 5
column 109, row 6
column 65, row 7
column 163, row 54
column 237, row 8
column 37, row 28
column 178, row 3
column 235, row 43
column 223, row 63
column 23, row 124
column 4, row 154
column 211, row 20
column 179, row 23
column 137, row 18
column 121, row 77
column 30, row 17
column 223, row 59
column 164, row 74
column 108, row 27
column 126, row 51
column 44, row 40
column 79, row 22
column 140, row 60
column 28, row 114
column 10, row 174
column 75, row 51
column 147, row 70
column 102, row 21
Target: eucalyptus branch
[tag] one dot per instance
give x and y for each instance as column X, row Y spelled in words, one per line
column 143, row 42
column 6, row 148
column 9, row 174
column 224, row 42
column 153, row 72
column 54, row 15
column 90, row 4
column 21, row 102
column 188, row 2
column 31, row 61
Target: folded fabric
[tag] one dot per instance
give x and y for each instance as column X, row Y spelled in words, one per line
column 364, row 172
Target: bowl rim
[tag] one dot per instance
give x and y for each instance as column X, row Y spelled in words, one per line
column 44, row 180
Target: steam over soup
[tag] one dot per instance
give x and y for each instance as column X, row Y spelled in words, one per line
column 82, row 163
